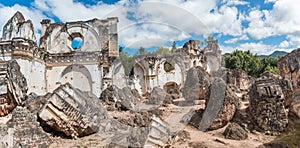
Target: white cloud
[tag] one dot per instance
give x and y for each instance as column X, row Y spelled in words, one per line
column 234, row 40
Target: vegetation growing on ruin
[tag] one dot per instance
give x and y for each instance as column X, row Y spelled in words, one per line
column 251, row 63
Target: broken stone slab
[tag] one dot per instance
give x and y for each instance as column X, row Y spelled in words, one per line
column 13, row 86
column 235, row 131
column 215, row 102
column 157, row 96
column 226, row 113
column 72, row 112
column 267, row 105
column 196, row 84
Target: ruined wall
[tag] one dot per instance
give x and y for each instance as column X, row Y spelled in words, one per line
column 57, row 60
column 17, row 27
column 158, row 70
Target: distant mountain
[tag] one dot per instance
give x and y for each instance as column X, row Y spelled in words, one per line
column 275, row 54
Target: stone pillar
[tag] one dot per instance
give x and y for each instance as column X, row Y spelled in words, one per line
column 45, row 23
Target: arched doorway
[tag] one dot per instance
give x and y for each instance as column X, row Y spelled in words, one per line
column 78, row 76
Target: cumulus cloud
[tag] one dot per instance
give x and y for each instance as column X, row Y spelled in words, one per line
column 150, row 23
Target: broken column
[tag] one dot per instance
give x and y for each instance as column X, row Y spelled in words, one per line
column 13, row 86
column 72, row 112
column 267, row 105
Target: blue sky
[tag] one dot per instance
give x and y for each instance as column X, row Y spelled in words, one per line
column 261, row 26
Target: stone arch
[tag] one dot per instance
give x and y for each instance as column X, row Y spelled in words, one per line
column 78, row 76
column 143, row 82
column 172, row 87
column 61, row 42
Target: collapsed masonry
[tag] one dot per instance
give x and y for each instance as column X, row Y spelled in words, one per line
column 13, row 86
column 67, row 81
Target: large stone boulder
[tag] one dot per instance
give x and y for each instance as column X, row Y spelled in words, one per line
column 267, row 105
column 227, row 111
column 115, row 98
column 235, row 131
column 196, row 84
column 157, row 96
column 72, row 112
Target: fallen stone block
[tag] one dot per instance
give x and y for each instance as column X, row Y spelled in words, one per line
column 72, row 112
column 13, row 86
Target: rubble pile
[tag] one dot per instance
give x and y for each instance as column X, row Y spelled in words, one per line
column 114, row 98
column 23, row 130
column 267, row 105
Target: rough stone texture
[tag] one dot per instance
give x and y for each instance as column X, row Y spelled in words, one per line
column 121, row 99
column 157, row 96
column 289, row 67
column 240, row 82
column 23, row 131
column 196, row 84
column 267, row 105
column 213, row 56
column 235, row 131
column 214, row 103
column 230, row 105
column 13, row 87
column 119, row 134
column 73, row 112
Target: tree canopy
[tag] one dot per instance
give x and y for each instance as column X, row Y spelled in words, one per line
column 250, row 63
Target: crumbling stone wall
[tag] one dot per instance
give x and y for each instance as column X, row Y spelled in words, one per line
column 267, row 105
column 13, row 87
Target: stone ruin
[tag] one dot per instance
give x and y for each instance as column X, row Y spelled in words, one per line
column 57, row 89
column 267, row 104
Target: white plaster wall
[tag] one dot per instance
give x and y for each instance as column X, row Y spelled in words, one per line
column 163, row 77
column 76, row 79
column 34, row 73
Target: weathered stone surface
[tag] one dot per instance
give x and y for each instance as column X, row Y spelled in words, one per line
column 235, row 131
column 17, row 27
column 115, row 98
column 214, row 103
column 267, row 105
column 23, row 131
column 73, row 112
column 13, row 86
column 213, row 56
column 226, row 113
column 196, row 84
column 240, row 82
column 157, row 96
column 119, row 134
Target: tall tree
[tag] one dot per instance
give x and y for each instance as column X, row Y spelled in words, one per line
column 174, row 48
column 142, row 50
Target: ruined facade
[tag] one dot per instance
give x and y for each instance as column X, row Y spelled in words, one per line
column 57, row 60
column 171, row 70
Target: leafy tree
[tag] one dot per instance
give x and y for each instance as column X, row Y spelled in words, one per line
column 250, row 63
column 243, row 60
column 127, row 62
